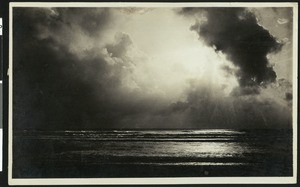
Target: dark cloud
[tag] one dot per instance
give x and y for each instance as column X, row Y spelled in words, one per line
column 249, row 90
column 288, row 96
column 235, row 32
column 52, row 90
column 57, row 88
column 91, row 20
column 119, row 48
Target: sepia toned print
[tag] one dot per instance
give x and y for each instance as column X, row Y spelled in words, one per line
column 149, row 91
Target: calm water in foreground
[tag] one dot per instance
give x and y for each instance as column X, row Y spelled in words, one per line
column 163, row 153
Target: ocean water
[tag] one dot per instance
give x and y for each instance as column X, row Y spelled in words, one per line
column 152, row 153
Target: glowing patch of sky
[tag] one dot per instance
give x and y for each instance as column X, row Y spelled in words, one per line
column 173, row 53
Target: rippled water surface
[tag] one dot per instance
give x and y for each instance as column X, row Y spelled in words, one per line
column 152, row 153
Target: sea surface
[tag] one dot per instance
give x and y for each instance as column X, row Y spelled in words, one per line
column 152, row 153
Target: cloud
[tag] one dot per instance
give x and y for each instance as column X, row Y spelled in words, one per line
column 236, row 33
column 54, row 86
column 68, row 75
column 131, row 10
column 249, row 90
column 64, row 80
column 119, row 48
column 207, row 108
column 89, row 20
column 282, row 21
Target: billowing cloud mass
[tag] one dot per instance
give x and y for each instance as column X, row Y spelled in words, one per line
column 107, row 68
column 236, row 32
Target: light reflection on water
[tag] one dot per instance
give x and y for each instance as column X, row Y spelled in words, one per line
column 224, row 152
column 174, row 149
column 189, row 151
column 190, row 145
column 188, row 163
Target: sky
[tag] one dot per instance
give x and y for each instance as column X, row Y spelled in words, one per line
column 152, row 68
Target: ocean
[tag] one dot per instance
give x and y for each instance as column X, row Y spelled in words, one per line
column 152, row 153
